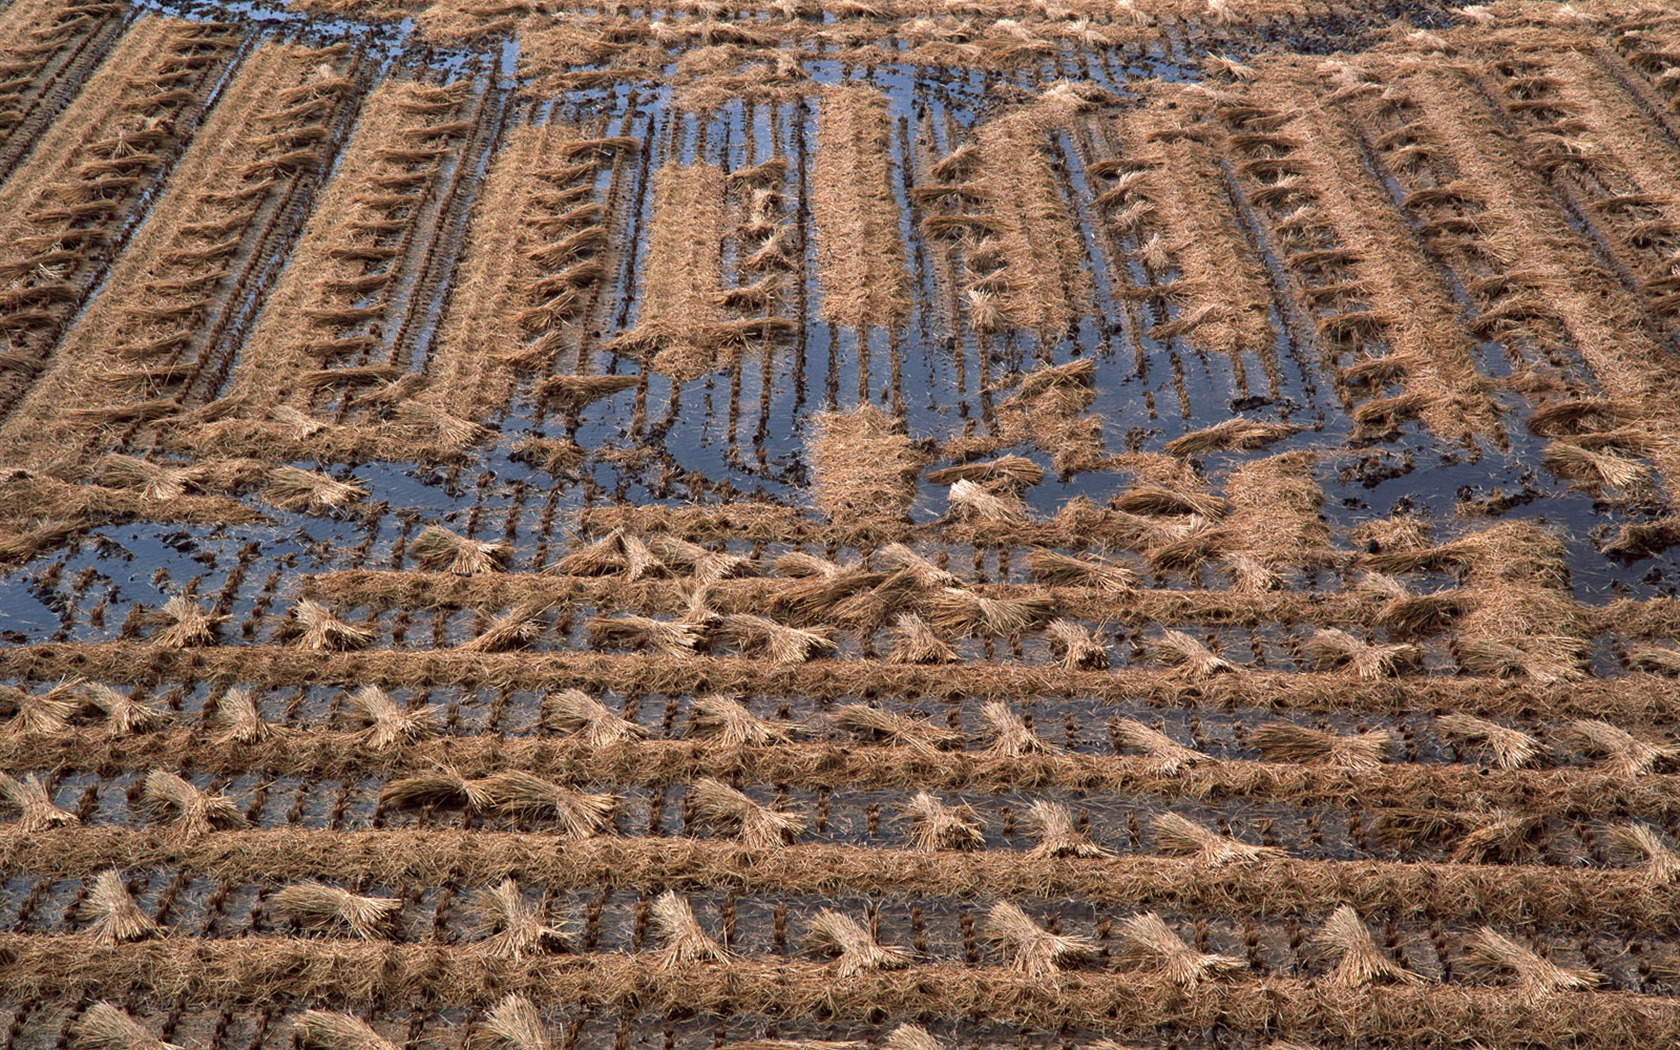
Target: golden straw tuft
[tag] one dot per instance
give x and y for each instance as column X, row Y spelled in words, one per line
column 756, row 825
column 686, row 941
column 36, row 810
column 193, row 811
column 104, row 1027
column 439, row 550
column 1058, row 833
column 574, row 711
column 112, row 915
column 1537, row 977
column 1031, row 949
column 1169, row 757
column 1180, row 836
column 318, row 906
column 1509, row 748
column 1150, row 942
column 1359, row 962
column 1286, row 742
column 853, row 947
column 388, row 725
column 934, row 825
column 510, row 927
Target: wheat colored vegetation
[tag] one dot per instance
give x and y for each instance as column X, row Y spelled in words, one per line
column 860, row 253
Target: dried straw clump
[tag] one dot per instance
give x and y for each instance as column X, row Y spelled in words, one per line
column 104, row 1027
column 1149, row 499
column 1286, row 742
column 1509, row 748
column 439, row 550
column 1544, row 658
column 1359, row 962
column 513, row 1024
column 1168, row 756
column 1031, row 949
column 327, row 1030
column 701, row 565
column 1597, row 467
column 1150, row 942
column 1231, row 435
column 572, row 394
column 1497, row 836
column 184, row 624
column 388, row 725
column 305, row 491
column 1016, row 472
column 1063, row 570
column 667, row 637
column 124, row 716
column 863, row 465
column 1537, row 977
column 618, row 553
column 727, row 720
column 1011, row 738
column 1644, row 843
column 1079, row 648
column 156, row 481
column 958, row 611
column 1058, row 833
column 317, row 906
column 924, row 573
column 510, row 927
column 318, row 630
column 47, row 712
column 898, row 730
column 1332, row 649
column 854, row 948
column 1183, row 837
column 686, row 941
column 1655, row 660
column 578, row 814
column 574, row 711
column 1621, row 753
column 36, row 811
column 974, row 503
column 914, row 642
column 1193, row 659
column 193, row 811
column 935, row 825
column 911, row 1037
column 518, row 628
column 1410, row 614
column 236, row 713
column 443, row 785
column 778, row 642
column 111, row 914
column 756, row 825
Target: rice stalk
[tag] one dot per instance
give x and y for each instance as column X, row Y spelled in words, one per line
column 1655, row 660
column 514, row 1024
column 318, row 630
column 1359, row 962
column 1286, row 742
column 1010, row 736
column 1509, row 748
column 1150, row 942
column 184, row 624
column 388, row 725
column 958, row 611
column 702, row 565
column 1149, row 499
column 1058, row 833
column 778, row 642
column 898, row 730
column 157, row 482
column 571, row 394
column 1015, row 472
column 36, row 810
column 578, row 814
column 1408, row 613
column 668, row 637
column 854, row 948
column 236, row 712
column 727, row 720
column 1078, row 647
column 925, row 573
column 756, row 825
column 1031, row 949
column 112, row 915
column 974, row 503
column 1331, row 649
column 1183, row 837
column 328, row 1030
column 104, row 1027
column 124, row 716
column 1645, row 844
column 574, row 711
column 47, row 712
column 1498, row 836
column 1193, row 659
column 437, row 549
column 1621, row 754
column 191, row 810
column 508, row 926
column 1062, row 570
column 1169, row 756
column 618, row 553
column 441, row 786
column 518, row 628
column 317, row 906
column 934, row 825
column 914, row 642
column 1537, row 977
column 1232, row 435
column 1546, row 659
column 306, row 491
column 686, row 941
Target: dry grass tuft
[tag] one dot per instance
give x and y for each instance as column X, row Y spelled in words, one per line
column 1655, row 660
column 1058, row 833
column 756, row 825
column 974, row 503
column 934, row 825
column 1621, row 753
column 1359, row 962
column 1149, row 941
column 442, row 785
column 184, row 624
column 578, row 814
column 47, row 712
column 1232, row 435
column 1537, row 977
column 1031, row 949
column 518, row 628
column 898, row 730
column 124, row 716
column 667, row 637
column 1169, row 756
column 958, row 611
column 104, row 1027
column 701, row 565
column 1193, row 659
column 1014, row 472
column 510, row 927
column 778, row 642
column 1286, row 742
column 388, row 725
column 1509, row 748
column 727, row 720
column 318, row 630
column 1078, row 647
column 193, row 811
column 236, row 712
column 1148, row 499
column 305, row 491
column 1543, row 658
column 1644, row 843
column 514, row 1024
column 863, row 465
column 1410, row 614
column 574, row 711
column 1063, row 570
column 1497, row 836
column 1010, row 736
column 618, row 553
column 914, row 642
column 111, row 914
column 1183, row 837
column 1332, row 649
column 925, row 573
column 439, row 550
column 1597, row 467
column 854, row 948
column 686, row 941
column 36, row 811
column 573, row 393
column 325, row 1030
column 318, row 906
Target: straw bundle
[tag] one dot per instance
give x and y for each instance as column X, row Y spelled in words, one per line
column 1496, row 836
column 1063, row 570
column 47, row 712
column 1148, row 499
column 862, row 464
column 508, row 926
column 574, row 711
column 934, row 825
column 853, row 947
column 1169, row 756
column 1655, row 660
column 1509, row 748
column 305, row 491
column 578, row 814
column 958, row 611
column 318, row 630
column 36, row 811
column 1359, row 962
column 193, row 811
column 1333, row 649
column 1194, row 660
column 667, row 637
column 518, row 628
column 1150, row 942
column 779, row 642
column 439, row 550
column 686, row 941
column 1544, row 658
column 1408, row 613
column 184, row 623
column 925, row 573
column 702, row 565
column 1537, row 977
column 1621, row 753
column 1031, row 949
column 1078, row 647
column 618, row 553
column 104, row 1027
column 1645, row 844
column 1179, row 836
column 236, row 711
column 896, row 729
column 513, row 1024
column 317, row 906
column 973, row 503
column 1285, row 742
column 324, row 1030
column 573, row 393
column 914, row 642
column 1231, row 435
column 1010, row 736
column 111, row 914
column 442, row 785
column 156, row 482
column 387, row 724
column 1596, row 467
column 1015, row 472
column 1058, row 833
column 123, row 715
column 727, row 720
column 756, row 825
